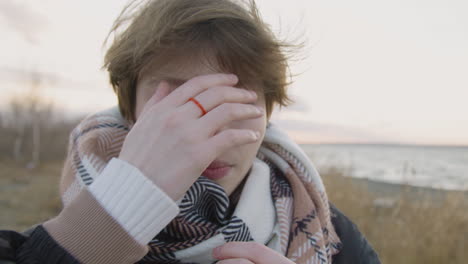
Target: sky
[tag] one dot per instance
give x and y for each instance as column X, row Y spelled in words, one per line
column 370, row 72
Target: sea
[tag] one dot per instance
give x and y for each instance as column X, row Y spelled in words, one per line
column 437, row 167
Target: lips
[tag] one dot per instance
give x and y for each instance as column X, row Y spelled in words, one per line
column 218, row 164
column 217, row 170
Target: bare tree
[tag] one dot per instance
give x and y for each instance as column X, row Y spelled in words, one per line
column 28, row 114
column 35, row 112
column 18, row 122
column 32, row 129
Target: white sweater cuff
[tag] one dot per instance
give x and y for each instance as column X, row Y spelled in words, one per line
column 133, row 200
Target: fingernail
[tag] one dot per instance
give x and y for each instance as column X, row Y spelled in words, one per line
column 233, row 77
column 216, row 252
column 257, row 134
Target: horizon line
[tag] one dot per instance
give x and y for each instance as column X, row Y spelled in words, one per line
column 387, row 144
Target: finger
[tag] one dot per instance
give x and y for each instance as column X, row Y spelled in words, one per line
column 235, row 261
column 162, row 90
column 198, row 84
column 252, row 251
column 225, row 114
column 213, row 97
column 227, row 139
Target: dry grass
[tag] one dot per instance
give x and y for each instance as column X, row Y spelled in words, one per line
column 28, row 196
column 418, row 228
column 413, row 225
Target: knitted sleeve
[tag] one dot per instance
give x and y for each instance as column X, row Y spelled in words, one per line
column 113, row 220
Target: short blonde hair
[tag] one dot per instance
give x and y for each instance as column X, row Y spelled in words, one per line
column 157, row 30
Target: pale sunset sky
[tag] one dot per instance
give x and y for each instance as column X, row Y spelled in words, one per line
column 372, row 71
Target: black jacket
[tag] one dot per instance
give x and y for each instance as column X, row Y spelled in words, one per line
column 38, row 247
column 356, row 249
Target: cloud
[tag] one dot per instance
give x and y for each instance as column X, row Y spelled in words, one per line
column 17, row 77
column 23, row 19
column 21, row 75
column 316, row 132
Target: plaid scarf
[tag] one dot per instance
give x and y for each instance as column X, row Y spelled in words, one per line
column 207, row 214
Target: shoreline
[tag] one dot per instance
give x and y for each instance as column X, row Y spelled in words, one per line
column 393, row 190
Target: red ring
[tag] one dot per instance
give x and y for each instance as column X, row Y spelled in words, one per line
column 199, row 105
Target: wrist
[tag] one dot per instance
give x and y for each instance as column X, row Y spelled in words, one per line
column 134, row 201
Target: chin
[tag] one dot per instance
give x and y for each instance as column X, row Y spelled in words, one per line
column 230, row 181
